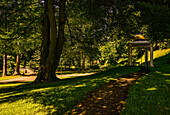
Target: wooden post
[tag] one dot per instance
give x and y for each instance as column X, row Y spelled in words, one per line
column 151, row 56
column 146, row 57
column 130, row 55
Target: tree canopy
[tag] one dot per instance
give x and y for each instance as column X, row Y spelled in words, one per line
column 78, row 32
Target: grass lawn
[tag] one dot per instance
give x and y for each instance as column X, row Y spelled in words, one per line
column 53, row 98
column 9, row 77
column 75, row 72
column 150, row 95
column 156, row 54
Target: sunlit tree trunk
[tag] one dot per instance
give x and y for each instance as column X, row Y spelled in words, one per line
column 4, row 64
column 17, row 68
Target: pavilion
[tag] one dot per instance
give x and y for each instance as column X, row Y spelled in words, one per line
column 140, row 42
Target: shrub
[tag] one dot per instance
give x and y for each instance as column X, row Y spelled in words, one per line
column 94, row 67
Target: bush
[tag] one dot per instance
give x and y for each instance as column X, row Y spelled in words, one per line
column 102, row 62
column 94, row 67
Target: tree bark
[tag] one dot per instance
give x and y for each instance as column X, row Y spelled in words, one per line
column 160, row 46
column 52, row 42
column 65, row 66
column 4, row 64
column 83, row 62
column 17, row 68
column 25, row 63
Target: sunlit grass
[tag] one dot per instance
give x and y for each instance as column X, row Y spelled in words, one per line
column 150, row 95
column 53, row 98
column 67, row 77
column 10, row 85
column 156, row 54
column 9, row 77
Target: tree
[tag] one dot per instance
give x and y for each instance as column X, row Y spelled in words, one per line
column 156, row 16
column 52, row 41
column 15, row 16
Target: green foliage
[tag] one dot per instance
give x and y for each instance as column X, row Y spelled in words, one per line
column 114, row 51
column 156, row 16
column 94, row 67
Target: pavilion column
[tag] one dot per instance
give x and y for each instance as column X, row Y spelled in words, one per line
column 151, row 56
column 146, row 57
column 130, row 55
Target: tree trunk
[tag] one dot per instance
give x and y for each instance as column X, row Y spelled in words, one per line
column 83, row 62
column 17, row 68
column 69, row 65
column 4, row 64
column 25, row 63
column 52, row 43
column 65, row 66
column 159, row 45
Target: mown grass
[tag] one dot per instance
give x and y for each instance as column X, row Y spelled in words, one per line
column 75, row 72
column 156, row 54
column 53, row 98
column 150, row 95
column 9, row 77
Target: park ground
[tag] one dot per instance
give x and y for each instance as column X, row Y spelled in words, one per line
column 149, row 95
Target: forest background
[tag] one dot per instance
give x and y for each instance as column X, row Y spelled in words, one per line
column 77, row 35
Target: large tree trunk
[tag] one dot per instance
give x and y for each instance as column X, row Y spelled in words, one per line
column 17, row 68
column 52, row 43
column 4, row 64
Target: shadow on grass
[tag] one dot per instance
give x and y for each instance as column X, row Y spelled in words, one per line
column 75, row 72
column 58, row 97
column 150, row 95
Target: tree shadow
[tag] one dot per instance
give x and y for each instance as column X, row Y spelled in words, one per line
column 151, row 90
column 62, row 95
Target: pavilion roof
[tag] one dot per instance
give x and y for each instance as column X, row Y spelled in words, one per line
column 139, row 43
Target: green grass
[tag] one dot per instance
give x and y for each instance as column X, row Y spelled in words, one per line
column 156, row 54
column 75, row 72
column 53, row 98
column 150, row 95
column 9, row 77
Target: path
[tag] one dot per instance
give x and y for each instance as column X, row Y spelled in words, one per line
column 31, row 76
column 108, row 99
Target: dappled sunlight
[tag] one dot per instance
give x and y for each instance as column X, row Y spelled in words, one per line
column 161, row 73
column 156, row 54
column 108, row 98
column 61, row 96
column 74, row 75
column 166, row 74
column 151, row 89
column 83, row 85
column 10, row 85
column 9, row 77
column 168, row 81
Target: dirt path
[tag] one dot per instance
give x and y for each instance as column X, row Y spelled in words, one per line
column 108, row 99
